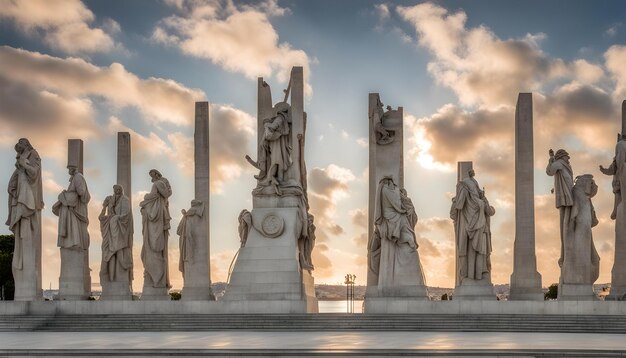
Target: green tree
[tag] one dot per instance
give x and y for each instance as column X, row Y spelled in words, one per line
column 7, row 243
column 553, row 292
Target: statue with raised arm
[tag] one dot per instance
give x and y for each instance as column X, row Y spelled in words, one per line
column 581, row 263
column 116, row 226
column 24, row 220
column 155, row 228
column 471, row 214
column 398, row 259
column 560, row 168
column 275, row 148
column 383, row 135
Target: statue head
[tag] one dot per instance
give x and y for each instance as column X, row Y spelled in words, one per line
column 72, row 169
column 389, row 108
column 155, row 175
column 22, row 145
column 471, row 173
column 118, row 190
column 387, row 180
column 562, row 154
column 587, row 183
column 195, row 202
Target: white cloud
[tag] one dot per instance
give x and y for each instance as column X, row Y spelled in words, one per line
column 238, row 38
column 160, row 100
column 64, row 24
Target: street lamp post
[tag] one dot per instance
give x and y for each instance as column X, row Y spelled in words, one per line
column 350, row 279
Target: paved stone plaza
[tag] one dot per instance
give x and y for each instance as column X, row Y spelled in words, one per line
column 318, row 343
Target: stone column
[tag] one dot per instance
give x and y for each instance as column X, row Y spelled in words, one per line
column 124, row 176
column 75, row 278
column 525, row 280
column 384, row 160
column 618, row 273
column 197, row 276
column 462, row 172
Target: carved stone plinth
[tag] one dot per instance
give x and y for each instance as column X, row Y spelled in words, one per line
column 267, row 267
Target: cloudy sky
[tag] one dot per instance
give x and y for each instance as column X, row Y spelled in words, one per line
column 87, row 69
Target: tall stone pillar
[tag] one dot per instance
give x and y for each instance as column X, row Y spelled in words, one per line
column 124, row 176
column 196, row 270
column 525, row 280
column 389, row 286
column 75, row 278
column 118, row 287
column 618, row 273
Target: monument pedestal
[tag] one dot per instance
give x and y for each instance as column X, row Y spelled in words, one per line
column 576, row 292
column 116, row 291
column 268, row 267
column 75, row 279
column 478, row 290
column 28, row 279
column 524, row 287
column 155, row 294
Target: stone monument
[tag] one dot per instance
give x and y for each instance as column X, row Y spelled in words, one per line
column 394, row 269
column 618, row 170
column 273, row 263
column 73, row 234
column 471, row 213
column 155, row 217
column 24, row 221
column 580, row 265
column 559, row 167
column 194, row 226
column 525, row 280
column 116, row 226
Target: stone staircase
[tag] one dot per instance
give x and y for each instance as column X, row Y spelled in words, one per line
column 317, row 322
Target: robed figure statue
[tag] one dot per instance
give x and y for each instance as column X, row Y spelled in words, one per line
column 24, row 220
column 116, row 226
column 156, row 219
column 394, row 253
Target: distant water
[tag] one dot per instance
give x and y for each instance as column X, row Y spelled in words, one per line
column 339, row 306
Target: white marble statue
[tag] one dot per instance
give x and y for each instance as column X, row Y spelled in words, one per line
column 73, row 237
column 71, row 208
column 306, row 245
column 618, row 170
column 116, row 226
column 560, row 168
column 581, row 263
column 190, row 232
column 155, row 228
column 383, row 135
column 471, row 214
column 24, row 220
column 397, row 260
column 245, row 224
column 275, row 148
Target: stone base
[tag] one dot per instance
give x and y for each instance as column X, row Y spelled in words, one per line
column 75, row 279
column 576, row 292
column 618, row 293
column 268, row 269
column 415, row 292
column 591, row 308
column 197, row 294
column 116, row 291
column 526, row 286
column 155, row 294
column 474, row 290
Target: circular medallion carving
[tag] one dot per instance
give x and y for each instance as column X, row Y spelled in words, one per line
column 272, row 225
